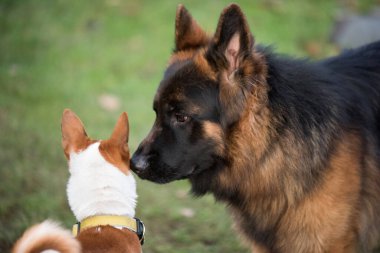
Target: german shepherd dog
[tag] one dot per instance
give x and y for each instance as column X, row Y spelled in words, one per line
column 292, row 146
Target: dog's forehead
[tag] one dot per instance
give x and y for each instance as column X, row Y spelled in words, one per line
column 176, row 78
column 198, row 99
column 187, row 73
column 176, row 67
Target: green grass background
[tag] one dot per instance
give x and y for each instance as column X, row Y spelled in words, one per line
column 66, row 53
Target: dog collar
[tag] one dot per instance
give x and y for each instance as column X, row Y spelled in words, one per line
column 119, row 222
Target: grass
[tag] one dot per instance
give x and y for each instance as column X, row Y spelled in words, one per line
column 58, row 54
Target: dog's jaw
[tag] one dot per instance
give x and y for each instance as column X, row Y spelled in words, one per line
column 96, row 187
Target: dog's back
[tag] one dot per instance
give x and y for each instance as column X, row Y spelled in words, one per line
column 361, row 63
column 335, row 96
column 359, row 71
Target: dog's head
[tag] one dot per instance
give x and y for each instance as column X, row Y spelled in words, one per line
column 201, row 97
column 114, row 150
column 99, row 170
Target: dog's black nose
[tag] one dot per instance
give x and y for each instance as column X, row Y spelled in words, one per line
column 139, row 163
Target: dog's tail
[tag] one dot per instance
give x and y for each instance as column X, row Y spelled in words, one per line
column 47, row 235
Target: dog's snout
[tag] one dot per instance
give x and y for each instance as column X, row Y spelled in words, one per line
column 141, row 159
column 139, row 163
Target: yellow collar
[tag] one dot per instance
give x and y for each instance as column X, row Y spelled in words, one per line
column 119, row 222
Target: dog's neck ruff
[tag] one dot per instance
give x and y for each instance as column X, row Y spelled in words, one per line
column 97, row 188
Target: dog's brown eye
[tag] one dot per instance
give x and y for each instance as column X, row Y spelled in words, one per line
column 181, row 118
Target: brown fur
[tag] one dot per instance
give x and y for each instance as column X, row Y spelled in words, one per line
column 109, row 239
column 181, row 56
column 203, row 65
column 331, row 210
column 215, row 133
column 330, row 214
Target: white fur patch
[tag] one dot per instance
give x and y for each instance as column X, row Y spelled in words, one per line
column 97, row 187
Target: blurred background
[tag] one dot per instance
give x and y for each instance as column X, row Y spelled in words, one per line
column 102, row 57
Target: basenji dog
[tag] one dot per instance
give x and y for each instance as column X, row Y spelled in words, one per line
column 101, row 193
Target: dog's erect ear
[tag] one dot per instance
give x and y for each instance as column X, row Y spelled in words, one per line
column 232, row 37
column 240, row 67
column 74, row 136
column 188, row 34
column 120, row 133
column 115, row 150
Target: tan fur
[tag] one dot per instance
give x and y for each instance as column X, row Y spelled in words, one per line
column 203, row 65
column 256, row 248
column 330, row 214
column 369, row 219
column 214, row 132
column 198, row 58
column 181, row 56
